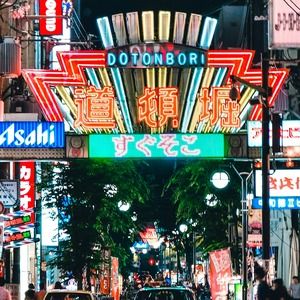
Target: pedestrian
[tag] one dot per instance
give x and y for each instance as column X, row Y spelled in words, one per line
column 58, row 285
column 279, row 290
column 30, row 293
column 294, row 289
column 42, row 292
column 264, row 292
column 4, row 293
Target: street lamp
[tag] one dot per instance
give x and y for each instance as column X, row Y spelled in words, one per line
column 220, row 179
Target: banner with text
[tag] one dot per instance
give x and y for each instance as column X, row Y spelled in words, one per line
column 156, row 145
column 220, row 272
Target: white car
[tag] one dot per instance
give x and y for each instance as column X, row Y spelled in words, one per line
column 68, row 295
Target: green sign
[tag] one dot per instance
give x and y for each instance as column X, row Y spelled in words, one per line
column 156, row 145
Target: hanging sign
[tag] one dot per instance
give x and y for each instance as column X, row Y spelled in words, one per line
column 220, row 273
column 156, row 145
column 51, row 22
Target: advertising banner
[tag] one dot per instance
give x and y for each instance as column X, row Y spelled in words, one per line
column 283, row 183
column 115, row 290
column 32, row 135
column 289, row 133
column 284, row 24
column 220, row 272
column 254, row 228
column 51, row 21
column 156, row 145
column 105, row 272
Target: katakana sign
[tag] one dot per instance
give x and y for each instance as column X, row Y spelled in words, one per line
column 156, row 145
column 278, row 203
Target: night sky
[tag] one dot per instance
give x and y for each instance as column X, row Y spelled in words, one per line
column 93, row 9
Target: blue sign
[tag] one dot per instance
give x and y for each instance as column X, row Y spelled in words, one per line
column 32, row 135
column 278, row 203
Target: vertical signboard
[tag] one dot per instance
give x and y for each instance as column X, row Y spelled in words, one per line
column 220, row 273
column 105, row 272
column 27, row 185
column 51, row 22
column 115, row 291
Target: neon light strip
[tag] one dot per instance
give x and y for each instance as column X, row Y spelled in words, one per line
column 133, row 27
column 106, row 82
column 194, row 87
column 122, row 98
column 193, row 30
column 148, row 26
column 209, row 72
column 179, row 25
column 208, row 32
column 150, row 77
column 105, row 32
column 93, row 77
column 67, row 98
column 164, row 18
column 218, row 80
column 162, row 77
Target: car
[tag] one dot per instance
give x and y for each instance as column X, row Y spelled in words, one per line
column 165, row 293
column 68, row 295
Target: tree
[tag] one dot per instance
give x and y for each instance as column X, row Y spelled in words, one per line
column 188, row 189
column 86, row 194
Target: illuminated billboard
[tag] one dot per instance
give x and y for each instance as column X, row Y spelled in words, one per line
column 156, row 145
column 32, row 135
column 283, row 24
column 143, row 81
column 283, row 183
column 51, row 17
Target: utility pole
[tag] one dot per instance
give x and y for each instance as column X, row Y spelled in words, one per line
column 265, row 155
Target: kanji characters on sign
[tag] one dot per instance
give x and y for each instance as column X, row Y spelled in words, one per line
column 95, row 107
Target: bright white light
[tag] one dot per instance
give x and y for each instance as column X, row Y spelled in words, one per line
column 123, row 206
column 211, row 200
column 134, row 217
column 110, row 190
column 144, row 251
column 220, row 179
column 183, row 228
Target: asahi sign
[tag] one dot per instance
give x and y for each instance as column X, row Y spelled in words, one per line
column 32, row 135
column 51, row 22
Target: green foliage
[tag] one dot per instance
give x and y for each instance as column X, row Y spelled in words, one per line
column 189, row 186
column 87, row 206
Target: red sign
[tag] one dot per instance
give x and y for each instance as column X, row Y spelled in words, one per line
column 115, row 290
column 220, row 273
column 27, row 185
column 17, row 237
column 19, row 221
column 51, row 22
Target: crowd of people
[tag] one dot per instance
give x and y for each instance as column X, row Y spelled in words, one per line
column 277, row 291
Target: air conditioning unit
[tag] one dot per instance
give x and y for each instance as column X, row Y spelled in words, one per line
column 10, row 58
